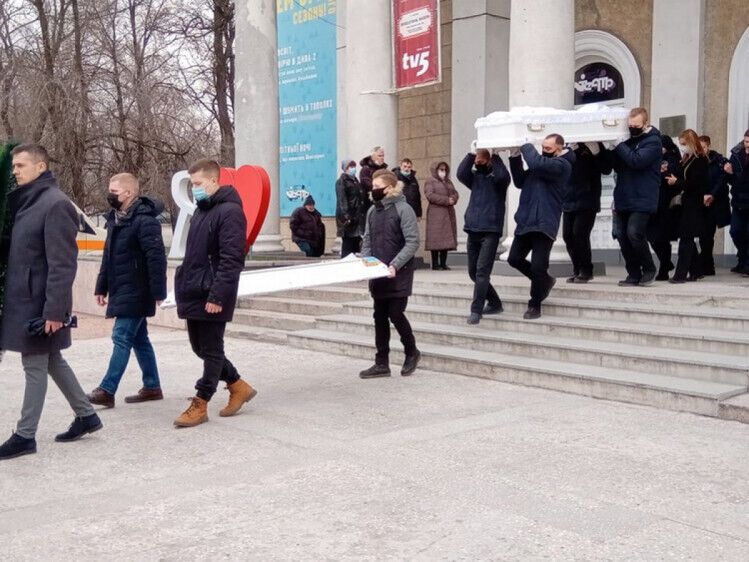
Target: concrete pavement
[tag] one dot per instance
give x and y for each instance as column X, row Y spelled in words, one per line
column 324, row 466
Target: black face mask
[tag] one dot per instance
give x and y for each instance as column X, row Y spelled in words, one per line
column 549, row 154
column 113, row 201
column 378, row 194
column 635, row 131
column 483, row 168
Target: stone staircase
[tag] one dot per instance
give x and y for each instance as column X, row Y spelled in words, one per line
column 680, row 347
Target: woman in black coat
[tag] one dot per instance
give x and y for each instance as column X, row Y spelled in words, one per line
column 663, row 225
column 693, row 183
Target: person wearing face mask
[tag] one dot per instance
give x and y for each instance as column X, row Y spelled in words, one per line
column 407, row 176
column 486, row 176
column 693, row 183
column 391, row 236
column 369, row 165
column 131, row 283
column 737, row 170
column 637, row 163
column 206, row 285
column 442, row 226
column 351, row 208
column 542, row 188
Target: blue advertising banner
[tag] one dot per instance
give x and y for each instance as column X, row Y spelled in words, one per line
column 307, row 103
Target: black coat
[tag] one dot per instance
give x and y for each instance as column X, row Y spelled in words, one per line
column 637, row 163
column 133, row 266
column 693, row 182
column 486, row 206
column 739, row 180
column 584, row 190
column 542, row 188
column 308, row 227
column 719, row 213
column 664, row 224
column 367, row 170
column 351, row 206
column 410, row 190
column 214, row 258
column 42, row 262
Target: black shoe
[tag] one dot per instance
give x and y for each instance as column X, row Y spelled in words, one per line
column 677, row 280
column 549, row 286
column 647, row 279
column 583, row 278
column 572, row 279
column 491, row 309
column 375, row 371
column 410, row 364
column 17, row 446
column 709, row 273
column 736, row 269
column 474, row 318
column 662, row 276
column 532, row 313
column 435, row 267
column 628, row 282
column 445, row 268
column 79, row 428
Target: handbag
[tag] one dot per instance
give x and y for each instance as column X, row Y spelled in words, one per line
column 675, row 201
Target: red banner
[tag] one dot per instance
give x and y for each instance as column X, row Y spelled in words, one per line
column 416, row 43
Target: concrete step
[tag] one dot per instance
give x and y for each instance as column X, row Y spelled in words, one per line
column 287, row 305
column 706, row 318
column 275, row 320
column 644, row 335
column 671, row 362
column 256, row 333
column 675, row 393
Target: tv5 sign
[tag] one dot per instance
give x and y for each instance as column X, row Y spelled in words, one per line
column 416, row 38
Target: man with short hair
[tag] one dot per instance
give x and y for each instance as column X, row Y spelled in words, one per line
column 307, row 229
column 369, row 165
column 42, row 262
column 542, row 188
column 737, row 169
column 637, row 163
column 717, row 209
column 407, row 176
column 206, row 286
column 133, row 277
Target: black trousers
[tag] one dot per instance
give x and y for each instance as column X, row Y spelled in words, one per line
column 439, row 258
column 207, row 341
column 482, row 251
column 350, row 245
column 707, row 244
column 386, row 311
column 633, row 241
column 537, row 270
column 576, row 229
column 662, row 249
column 689, row 259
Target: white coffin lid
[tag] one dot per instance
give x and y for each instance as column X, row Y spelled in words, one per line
column 548, row 115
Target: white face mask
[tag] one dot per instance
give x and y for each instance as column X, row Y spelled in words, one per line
column 685, row 150
column 442, row 174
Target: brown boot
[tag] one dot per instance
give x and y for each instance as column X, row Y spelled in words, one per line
column 239, row 393
column 100, row 397
column 144, row 395
column 196, row 414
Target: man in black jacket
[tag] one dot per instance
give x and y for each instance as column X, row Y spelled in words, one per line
column 351, row 208
column 487, row 178
column 307, row 229
column 42, row 261
column 133, row 277
column 717, row 209
column 407, row 176
column 737, row 170
column 206, row 286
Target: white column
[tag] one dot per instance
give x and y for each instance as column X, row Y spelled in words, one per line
column 341, row 115
column 371, row 103
column 256, row 105
column 481, row 40
column 542, row 68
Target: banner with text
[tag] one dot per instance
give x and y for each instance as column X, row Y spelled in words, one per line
column 416, row 43
column 307, row 103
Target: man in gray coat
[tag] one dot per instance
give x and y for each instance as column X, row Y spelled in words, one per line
column 42, row 261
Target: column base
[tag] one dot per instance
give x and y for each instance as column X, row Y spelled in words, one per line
column 267, row 243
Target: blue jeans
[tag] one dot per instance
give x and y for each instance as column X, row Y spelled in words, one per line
column 131, row 333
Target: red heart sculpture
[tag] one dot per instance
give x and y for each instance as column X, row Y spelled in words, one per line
column 253, row 185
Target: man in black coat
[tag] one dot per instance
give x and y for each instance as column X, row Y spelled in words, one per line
column 717, row 208
column 206, row 286
column 737, row 170
column 582, row 202
column 42, row 261
column 542, row 188
column 133, row 276
column 487, row 178
column 307, row 229
column 351, row 209
column 407, row 176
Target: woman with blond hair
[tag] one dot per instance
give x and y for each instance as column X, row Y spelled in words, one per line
column 693, row 180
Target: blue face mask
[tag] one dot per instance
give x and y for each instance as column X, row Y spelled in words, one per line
column 199, row 193
column 352, row 172
column 406, row 173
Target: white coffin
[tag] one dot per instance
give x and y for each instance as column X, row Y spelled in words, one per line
column 520, row 125
column 274, row 280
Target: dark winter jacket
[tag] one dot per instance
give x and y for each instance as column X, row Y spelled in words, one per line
column 584, row 190
column 366, row 171
column 392, row 236
column 308, row 227
column 42, row 262
column 133, row 266
column 351, row 206
column 637, row 163
column 693, row 183
column 542, row 188
column 410, row 190
column 486, row 206
column 720, row 211
column 739, row 180
column 214, row 258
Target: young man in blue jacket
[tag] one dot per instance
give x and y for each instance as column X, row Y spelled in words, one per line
column 542, row 186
